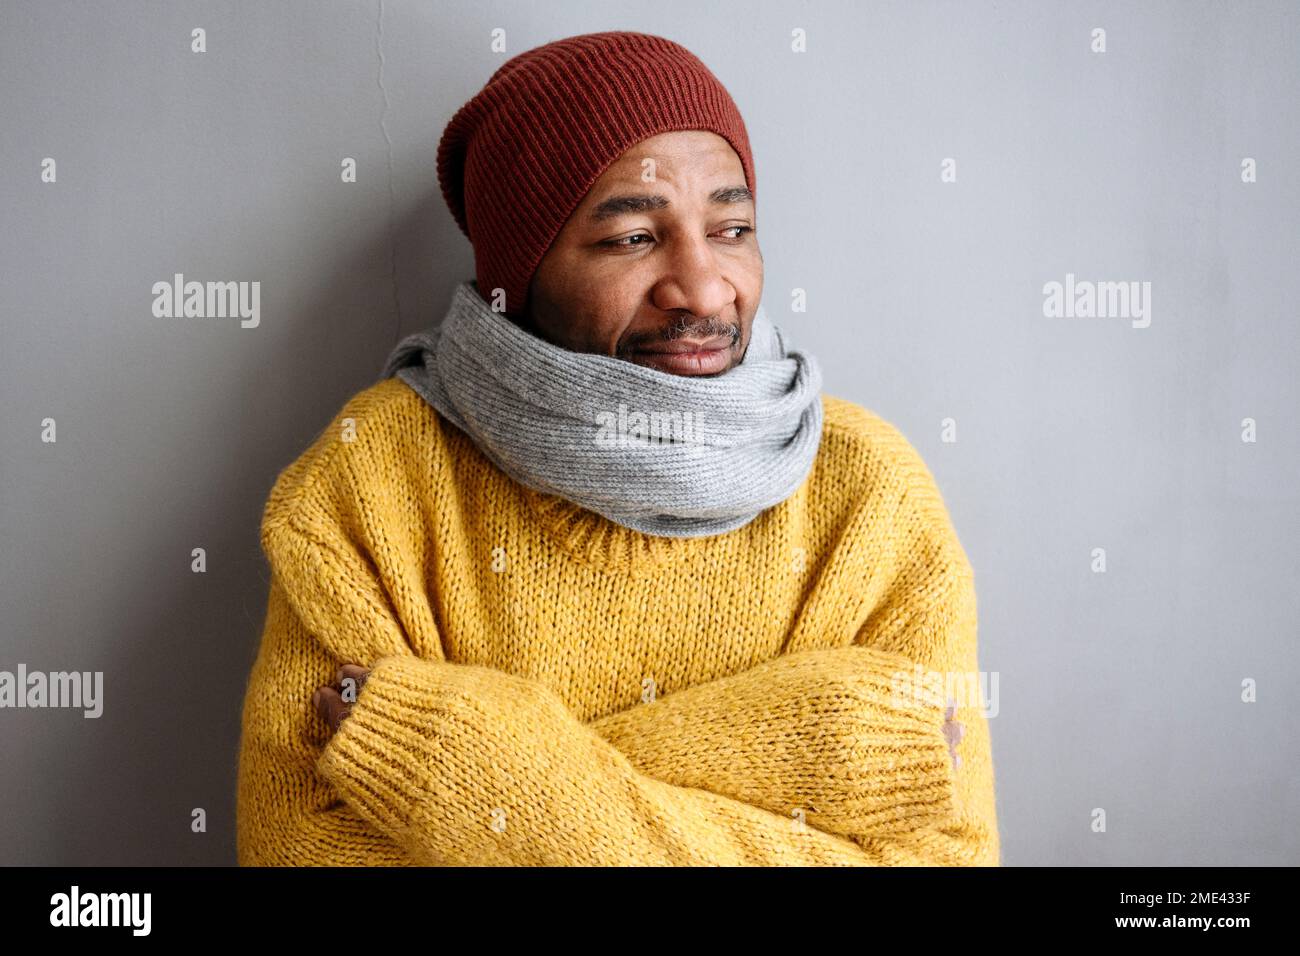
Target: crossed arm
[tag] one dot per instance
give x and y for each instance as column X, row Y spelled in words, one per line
column 812, row 758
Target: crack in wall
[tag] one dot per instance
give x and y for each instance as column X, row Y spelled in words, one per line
column 392, row 198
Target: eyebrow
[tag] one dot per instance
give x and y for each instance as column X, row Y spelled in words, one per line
column 616, row 206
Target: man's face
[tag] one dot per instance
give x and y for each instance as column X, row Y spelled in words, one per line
column 663, row 272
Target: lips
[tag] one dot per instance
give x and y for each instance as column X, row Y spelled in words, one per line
column 686, row 346
column 687, row 356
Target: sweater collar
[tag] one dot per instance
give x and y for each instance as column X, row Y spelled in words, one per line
column 596, row 540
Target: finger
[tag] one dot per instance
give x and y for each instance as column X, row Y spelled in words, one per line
column 331, row 707
column 951, row 711
column 353, row 670
column 322, row 699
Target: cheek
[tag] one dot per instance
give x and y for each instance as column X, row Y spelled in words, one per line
column 587, row 325
column 607, row 336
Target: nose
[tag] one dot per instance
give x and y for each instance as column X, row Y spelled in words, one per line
column 692, row 282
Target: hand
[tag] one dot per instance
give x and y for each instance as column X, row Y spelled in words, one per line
column 953, row 731
column 334, row 702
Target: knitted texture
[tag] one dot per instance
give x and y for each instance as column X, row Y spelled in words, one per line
column 518, row 158
column 702, row 456
column 551, row 688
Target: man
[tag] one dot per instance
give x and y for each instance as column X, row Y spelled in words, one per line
column 595, row 575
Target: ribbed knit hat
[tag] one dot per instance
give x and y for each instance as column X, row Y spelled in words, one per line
column 518, row 158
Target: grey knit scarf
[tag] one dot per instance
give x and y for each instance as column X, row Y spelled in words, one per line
column 664, row 454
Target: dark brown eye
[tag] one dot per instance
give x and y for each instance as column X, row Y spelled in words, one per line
column 620, row 243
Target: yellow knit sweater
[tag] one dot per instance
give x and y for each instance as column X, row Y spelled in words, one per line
column 550, row 688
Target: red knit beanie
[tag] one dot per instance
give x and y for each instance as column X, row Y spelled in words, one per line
column 518, row 158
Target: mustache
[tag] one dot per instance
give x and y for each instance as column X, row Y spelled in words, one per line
column 688, row 327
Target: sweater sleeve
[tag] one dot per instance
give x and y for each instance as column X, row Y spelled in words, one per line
column 285, row 814
column 469, row 766
column 849, row 736
column 823, row 732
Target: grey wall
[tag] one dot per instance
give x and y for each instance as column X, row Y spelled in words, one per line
column 1118, row 690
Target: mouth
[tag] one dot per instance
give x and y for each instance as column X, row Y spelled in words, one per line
column 687, row 356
